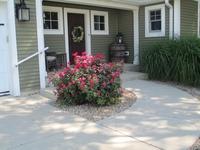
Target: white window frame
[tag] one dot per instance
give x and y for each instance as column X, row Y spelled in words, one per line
column 148, row 32
column 60, row 20
column 99, row 32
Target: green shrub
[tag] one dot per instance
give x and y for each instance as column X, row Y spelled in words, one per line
column 90, row 80
column 174, row 60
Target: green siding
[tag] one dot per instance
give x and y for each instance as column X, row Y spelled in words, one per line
column 189, row 17
column 27, row 45
column 146, row 42
column 126, row 27
column 99, row 43
column 56, row 43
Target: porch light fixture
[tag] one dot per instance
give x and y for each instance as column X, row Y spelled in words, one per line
column 23, row 12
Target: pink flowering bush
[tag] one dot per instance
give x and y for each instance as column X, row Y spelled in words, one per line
column 90, row 80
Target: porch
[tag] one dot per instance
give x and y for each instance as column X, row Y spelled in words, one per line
column 95, row 27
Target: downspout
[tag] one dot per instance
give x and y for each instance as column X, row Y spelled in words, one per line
column 171, row 14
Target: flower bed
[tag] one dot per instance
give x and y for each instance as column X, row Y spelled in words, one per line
column 90, row 80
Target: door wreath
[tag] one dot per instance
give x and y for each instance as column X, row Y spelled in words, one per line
column 77, row 34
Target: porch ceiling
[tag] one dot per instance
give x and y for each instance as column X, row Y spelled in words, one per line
column 120, row 4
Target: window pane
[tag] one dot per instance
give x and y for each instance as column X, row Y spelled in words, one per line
column 158, row 17
column 152, row 13
column 153, row 17
column 54, row 16
column 96, row 18
column 47, row 15
column 46, row 24
column 96, row 26
column 54, row 24
column 102, row 26
column 156, row 26
column 102, row 19
column 158, row 12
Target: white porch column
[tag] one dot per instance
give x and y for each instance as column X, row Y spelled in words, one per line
column 177, row 18
column 15, row 84
column 40, row 37
column 136, row 36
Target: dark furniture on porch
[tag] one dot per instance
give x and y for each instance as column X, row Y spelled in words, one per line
column 55, row 61
column 118, row 53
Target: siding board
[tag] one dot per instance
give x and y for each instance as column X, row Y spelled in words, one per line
column 189, row 18
column 27, row 45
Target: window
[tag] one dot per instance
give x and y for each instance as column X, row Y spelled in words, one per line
column 99, row 23
column 53, row 22
column 155, row 21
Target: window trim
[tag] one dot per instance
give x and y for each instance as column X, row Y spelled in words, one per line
column 99, row 13
column 148, row 31
column 60, row 20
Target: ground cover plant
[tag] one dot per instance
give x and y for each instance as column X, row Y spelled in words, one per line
column 90, row 80
column 174, row 60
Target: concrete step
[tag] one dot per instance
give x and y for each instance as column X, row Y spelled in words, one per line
column 131, row 67
column 130, row 75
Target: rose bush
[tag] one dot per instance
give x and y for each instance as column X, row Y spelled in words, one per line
column 90, row 80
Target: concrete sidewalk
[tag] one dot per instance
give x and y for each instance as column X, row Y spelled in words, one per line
column 34, row 124
column 162, row 118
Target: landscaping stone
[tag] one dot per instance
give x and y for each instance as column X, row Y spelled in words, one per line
column 94, row 113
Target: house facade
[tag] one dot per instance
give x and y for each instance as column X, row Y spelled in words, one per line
column 68, row 26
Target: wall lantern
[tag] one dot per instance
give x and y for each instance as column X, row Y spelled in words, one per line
column 23, row 13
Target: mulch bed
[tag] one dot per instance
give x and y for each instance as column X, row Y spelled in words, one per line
column 94, row 113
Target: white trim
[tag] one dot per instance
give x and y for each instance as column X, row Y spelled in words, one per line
column 87, row 29
column 198, row 30
column 40, row 37
column 136, row 36
column 15, row 84
column 99, row 3
column 60, row 20
column 177, row 18
column 171, row 14
column 100, row 13
column 148, row 33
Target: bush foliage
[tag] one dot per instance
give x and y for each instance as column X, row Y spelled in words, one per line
column 90, row 80
column 174, row 60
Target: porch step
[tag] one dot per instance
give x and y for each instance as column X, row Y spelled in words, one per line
column 130, row 75
column 48, row 93
column 131, row 67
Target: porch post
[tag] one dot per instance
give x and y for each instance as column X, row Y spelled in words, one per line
column 40, row 38
column 136, row 36
column 15, row 84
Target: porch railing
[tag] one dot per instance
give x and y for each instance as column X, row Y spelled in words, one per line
column 31, row 56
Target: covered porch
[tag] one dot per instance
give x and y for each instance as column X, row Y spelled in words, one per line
column 71, row 27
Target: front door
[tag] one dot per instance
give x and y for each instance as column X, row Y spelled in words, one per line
column 76, row 30
column 4, row 54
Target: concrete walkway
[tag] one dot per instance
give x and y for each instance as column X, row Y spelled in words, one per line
column 163, row 118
